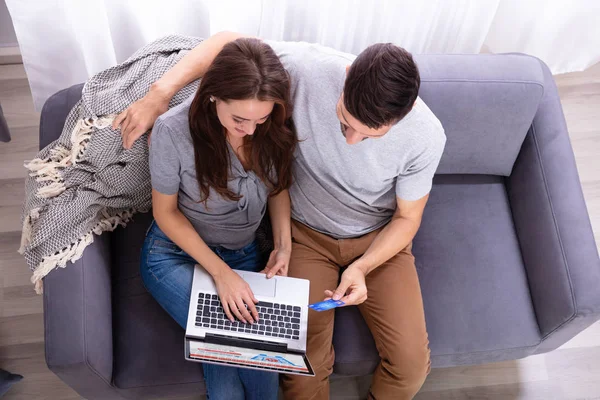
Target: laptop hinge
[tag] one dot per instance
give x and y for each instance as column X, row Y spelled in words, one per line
column 244, row 342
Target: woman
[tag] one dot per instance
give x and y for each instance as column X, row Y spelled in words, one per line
column 216, row 161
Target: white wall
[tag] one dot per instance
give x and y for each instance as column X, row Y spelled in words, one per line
column 7, row 32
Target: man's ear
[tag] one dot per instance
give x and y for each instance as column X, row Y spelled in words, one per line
column 347, row 69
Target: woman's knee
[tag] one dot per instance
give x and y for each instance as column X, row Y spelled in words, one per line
column 172, row 291
column 259, row 385
column 222, row 382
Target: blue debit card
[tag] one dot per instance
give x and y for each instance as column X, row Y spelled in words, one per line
column 326, row 305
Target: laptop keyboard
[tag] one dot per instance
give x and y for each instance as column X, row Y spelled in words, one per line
column 274, row 319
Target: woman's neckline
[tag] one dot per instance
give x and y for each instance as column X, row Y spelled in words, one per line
column 237, row 158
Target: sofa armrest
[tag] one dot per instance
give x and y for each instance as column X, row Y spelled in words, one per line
column 55, row 111
column 553, row 226
column 78, row 322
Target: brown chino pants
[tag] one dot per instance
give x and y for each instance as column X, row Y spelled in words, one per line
column 393, row 312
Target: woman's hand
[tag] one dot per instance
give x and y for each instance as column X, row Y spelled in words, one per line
column 235, row 294
column 278, row 264
column 140, row 116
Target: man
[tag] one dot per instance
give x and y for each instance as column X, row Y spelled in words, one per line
column 363, row 170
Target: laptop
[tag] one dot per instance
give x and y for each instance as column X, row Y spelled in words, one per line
column 277, row 342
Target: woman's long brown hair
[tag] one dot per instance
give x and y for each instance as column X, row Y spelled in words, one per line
column 244, row 69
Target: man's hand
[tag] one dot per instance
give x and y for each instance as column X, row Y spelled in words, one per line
column 278, row 264
column 352, row 289
column 140, row 116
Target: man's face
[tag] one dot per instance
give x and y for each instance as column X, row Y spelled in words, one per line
column 353, row 130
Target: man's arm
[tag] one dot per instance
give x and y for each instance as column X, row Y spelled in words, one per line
column 141, row 115
column 194, row 65
column 397, row 234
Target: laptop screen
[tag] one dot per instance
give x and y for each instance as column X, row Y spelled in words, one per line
column 249, row 358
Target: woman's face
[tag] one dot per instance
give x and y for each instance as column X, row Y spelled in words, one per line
column 240, row 117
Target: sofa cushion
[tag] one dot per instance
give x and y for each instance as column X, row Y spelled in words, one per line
column 148, row 343
column 355, row 351
column 149, row 346
column 486, row 104
column 474, row 284
column 126, row 245
column 475, row 290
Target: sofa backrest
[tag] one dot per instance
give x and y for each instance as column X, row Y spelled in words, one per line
column 486, row 104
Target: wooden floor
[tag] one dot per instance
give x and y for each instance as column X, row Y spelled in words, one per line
column 572, row 372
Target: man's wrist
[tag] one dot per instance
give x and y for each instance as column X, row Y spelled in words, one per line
column 361, row 266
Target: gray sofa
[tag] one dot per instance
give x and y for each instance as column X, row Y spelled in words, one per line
column 505, row 254
column 4, row 133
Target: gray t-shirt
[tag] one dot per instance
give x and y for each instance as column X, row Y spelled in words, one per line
column 349, row 190
column 222, row 222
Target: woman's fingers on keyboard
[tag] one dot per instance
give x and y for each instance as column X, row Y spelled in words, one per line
column 235, row 310
column 245, row 316
column 251, row 307
column 227, row 311
column 249, row 315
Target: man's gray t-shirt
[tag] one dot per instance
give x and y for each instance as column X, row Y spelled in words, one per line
column 349, row 190
column 221, row 222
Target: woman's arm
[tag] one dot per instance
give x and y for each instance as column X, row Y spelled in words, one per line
column 180, row 230
column 233, row 290
column 279, row 211
column 140, row 116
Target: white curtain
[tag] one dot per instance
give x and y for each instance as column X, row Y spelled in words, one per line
column 64, row 42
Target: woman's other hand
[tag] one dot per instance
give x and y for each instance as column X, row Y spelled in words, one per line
column 278, row 264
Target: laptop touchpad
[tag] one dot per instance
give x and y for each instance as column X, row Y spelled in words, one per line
column 260, row 285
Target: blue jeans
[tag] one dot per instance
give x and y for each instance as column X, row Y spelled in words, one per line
column 167, row 272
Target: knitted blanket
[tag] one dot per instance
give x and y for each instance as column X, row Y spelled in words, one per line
column 85, row 182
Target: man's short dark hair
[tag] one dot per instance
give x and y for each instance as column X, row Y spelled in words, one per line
column 382, row 85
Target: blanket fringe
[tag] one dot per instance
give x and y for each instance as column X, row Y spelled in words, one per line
column 83, row 132
column 51, row 190
column 48, row 169
column 74, row 252
column 28, row 228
